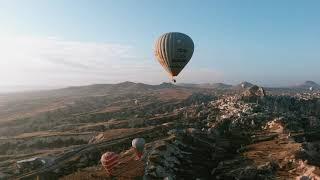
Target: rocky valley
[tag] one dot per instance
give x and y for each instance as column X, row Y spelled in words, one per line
column 211, row 131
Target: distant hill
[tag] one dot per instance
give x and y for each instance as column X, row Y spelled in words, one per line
column 98, row 89
column 307, row 85
column 94, row 97
column 207, row 85
column 243, row 84
column 165, row 85
column 85, row 91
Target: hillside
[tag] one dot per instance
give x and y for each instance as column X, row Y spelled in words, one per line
column 207, row 85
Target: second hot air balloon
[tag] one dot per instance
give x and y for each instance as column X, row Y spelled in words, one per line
column 173, row 51
column 109, row 160
column 138, row 145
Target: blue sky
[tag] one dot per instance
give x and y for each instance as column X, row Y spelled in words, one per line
column 82, row 42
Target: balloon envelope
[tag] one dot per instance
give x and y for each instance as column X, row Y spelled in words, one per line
column 109, row 160
column 138, row 144
column 173, row 51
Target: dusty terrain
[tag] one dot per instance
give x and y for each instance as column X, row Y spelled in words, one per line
column 206, row 132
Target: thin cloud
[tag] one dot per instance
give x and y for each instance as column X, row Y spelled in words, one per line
column 31, row 60
column 58, row 62
column 64, row 62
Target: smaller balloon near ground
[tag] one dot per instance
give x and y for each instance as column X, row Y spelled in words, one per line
column 138, row 145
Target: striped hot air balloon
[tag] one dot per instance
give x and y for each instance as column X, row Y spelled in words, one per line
column 109, row 160
column 173, row 51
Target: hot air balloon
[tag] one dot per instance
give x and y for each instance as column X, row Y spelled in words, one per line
column 138, row 145
column 311, row 88
column 243, row 86
column 173, row 51
column 109, row 160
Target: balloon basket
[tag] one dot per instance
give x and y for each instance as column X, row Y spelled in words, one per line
column 138, row 155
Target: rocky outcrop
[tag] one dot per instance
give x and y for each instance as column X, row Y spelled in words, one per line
column 241, row 168
column 187, row 154
column 253, row 94
column 311, row 152
column 31, row 164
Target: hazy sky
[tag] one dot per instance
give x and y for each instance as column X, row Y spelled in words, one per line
column 61, row 43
